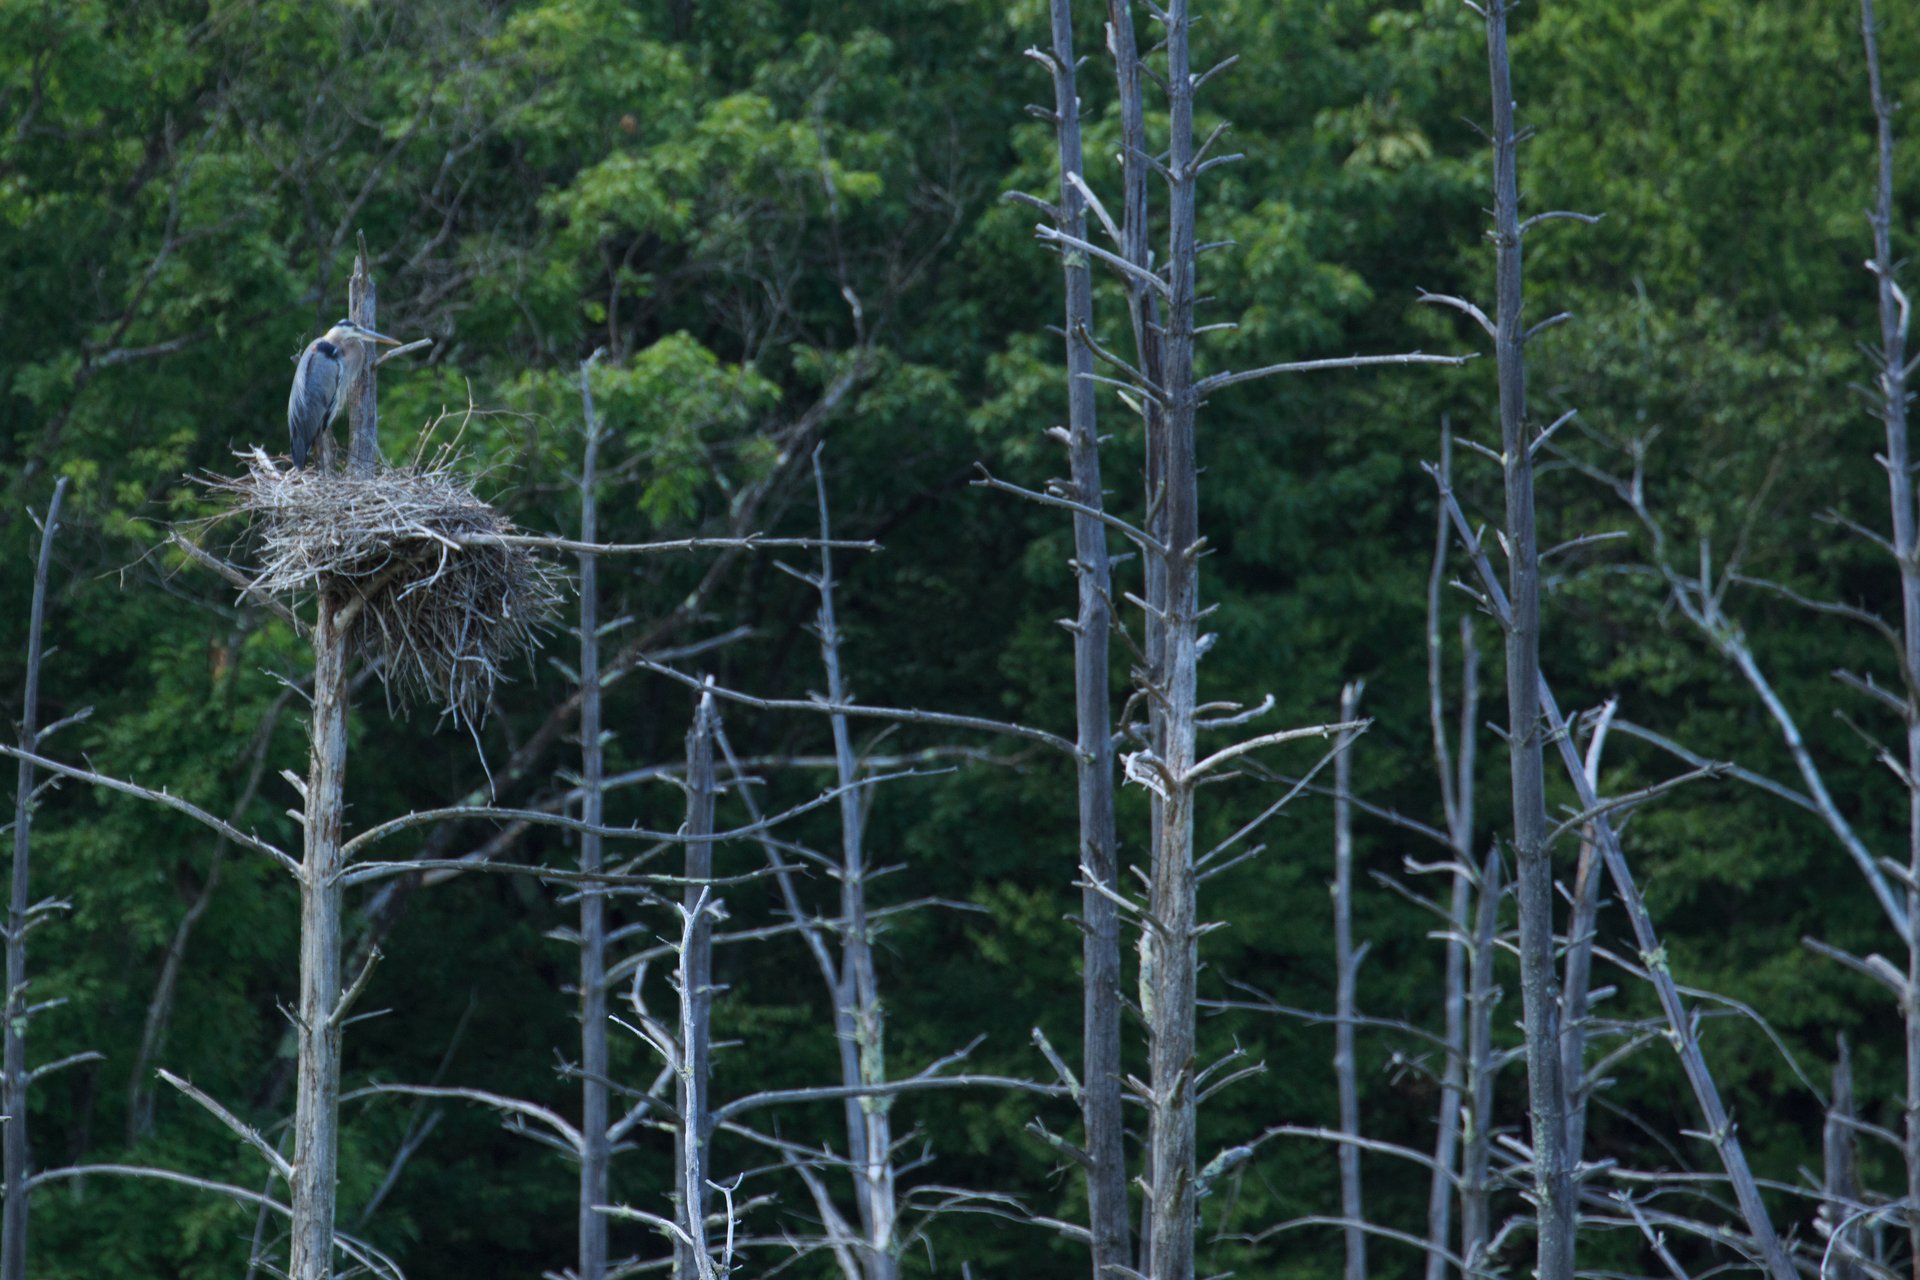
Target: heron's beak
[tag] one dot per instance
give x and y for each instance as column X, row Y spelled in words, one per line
column 380, row 337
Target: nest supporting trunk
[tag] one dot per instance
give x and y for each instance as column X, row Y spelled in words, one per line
column 446, row 604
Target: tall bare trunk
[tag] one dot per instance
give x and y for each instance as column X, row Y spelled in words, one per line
column 1144, row 316
column 316, row 1135
column 1100, row 1107
column 363, row 417
column 1892, row 382
column 317, row 1092
column 1174, row 936
column 1457, row 780
column 862, row 1016
column 1769, row 1252
column 13, row 1090
column 1539, row 989
column 691, row 1261
column 1346, row 971
column 595, row 1154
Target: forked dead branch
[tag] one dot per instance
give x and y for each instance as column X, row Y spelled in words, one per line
column 444, row 606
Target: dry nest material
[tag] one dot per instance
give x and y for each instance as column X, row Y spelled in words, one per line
column 447, row 602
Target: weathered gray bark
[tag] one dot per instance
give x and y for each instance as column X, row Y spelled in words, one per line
column 1682, row 1027
column 1143, row 309
column 1840, row 1169
column 1892, row 407
column 13, row 1089
column 1457, row 779
column 1539, row 988
column 1346, row 971
column 1576, row 985
column 1173, row 969
column 596, row 1148
column 316, row 1136
column 1483, row 994
column 860, row 1015
column 1769, row 1251
column 317, row 1022
column 363, row 416
column 691, row 1260
column 1100, row 1076
column 1455, row 1005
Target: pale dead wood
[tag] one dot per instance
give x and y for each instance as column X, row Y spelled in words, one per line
column 13, row 1086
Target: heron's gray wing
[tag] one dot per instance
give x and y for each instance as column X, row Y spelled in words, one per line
column 316, row 393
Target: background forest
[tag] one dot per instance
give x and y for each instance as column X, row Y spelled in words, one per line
column 784, row 224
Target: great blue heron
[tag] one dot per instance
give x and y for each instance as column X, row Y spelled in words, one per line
column 328, row 369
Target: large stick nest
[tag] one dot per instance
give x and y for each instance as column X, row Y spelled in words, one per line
column 444, row 603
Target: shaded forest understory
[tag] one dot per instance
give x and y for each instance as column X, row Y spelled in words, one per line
column 760, row 254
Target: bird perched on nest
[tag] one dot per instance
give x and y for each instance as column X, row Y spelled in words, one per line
column 329, row 367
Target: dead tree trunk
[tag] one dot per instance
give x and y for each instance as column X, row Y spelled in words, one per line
column 1840, row 1180
column 1346, row 969
column 363, row 413
column 1482, row 994
column 1892, row 408
column 1174, row 935
column 1100, row 1103
column 1768, row 1251
column 13, row 1090
column 596, row 1149
column 691, row 1259
column 323, row 1004
column 1576, row 985
column 1455, row 767
column 860, row 1015
column 1539, row 990
column 1143, row 308
column 316, row 1135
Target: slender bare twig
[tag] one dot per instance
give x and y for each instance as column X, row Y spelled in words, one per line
column 366, row 1255
column 246, row 1132
column 248, row 588
column 161, row 797
column 541, row 817
column 826, row 707
column 573, row 546
column 563, row 1130
column 1219, row 381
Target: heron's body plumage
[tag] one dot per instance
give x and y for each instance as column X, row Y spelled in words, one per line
column 328, row 369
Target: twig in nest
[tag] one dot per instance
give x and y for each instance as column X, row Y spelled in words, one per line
column 441, row 619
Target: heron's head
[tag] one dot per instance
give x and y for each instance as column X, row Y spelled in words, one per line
column 347, row 331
